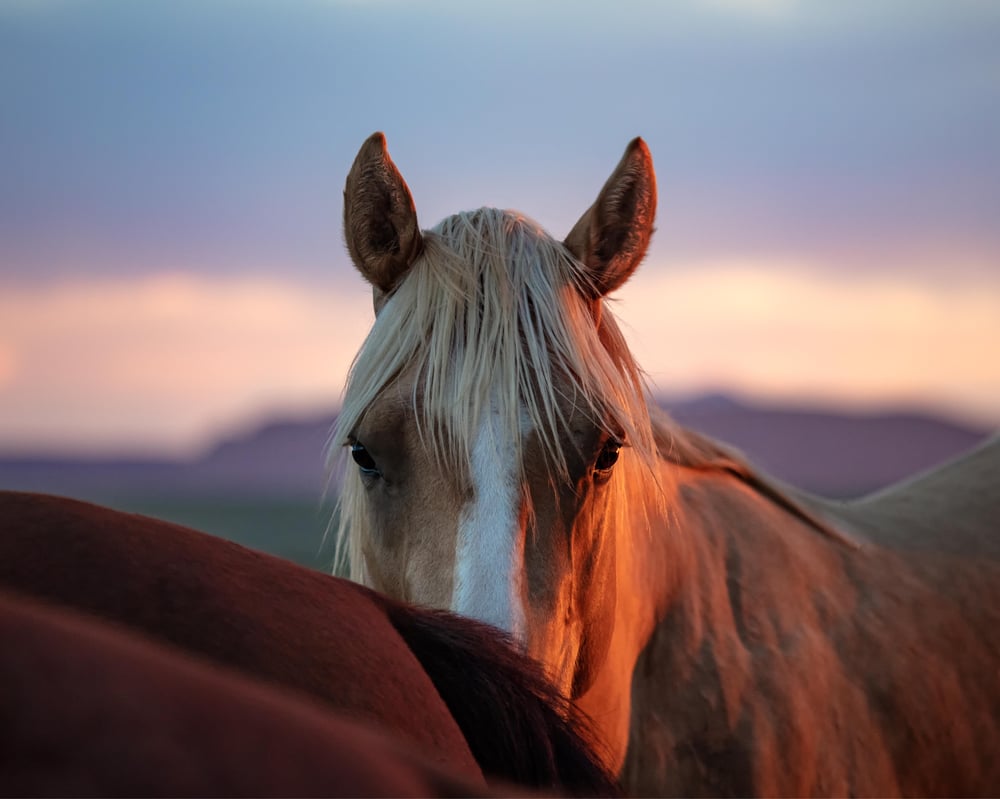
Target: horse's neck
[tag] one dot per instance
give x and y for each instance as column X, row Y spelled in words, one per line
column 721, row 521
column 703, row 582
column 753, row 631
column 680, row 572
column 724, row 532
column 770, row 627
column 693, row 571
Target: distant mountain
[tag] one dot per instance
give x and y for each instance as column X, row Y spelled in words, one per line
column 829, row 452
column 825, row 451
column 278, row 459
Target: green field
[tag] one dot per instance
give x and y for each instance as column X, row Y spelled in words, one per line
column 289, row 528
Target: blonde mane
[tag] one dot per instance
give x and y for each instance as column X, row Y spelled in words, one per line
column 493, row 312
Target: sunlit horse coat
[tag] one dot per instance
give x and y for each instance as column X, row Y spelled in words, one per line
column 726, row 634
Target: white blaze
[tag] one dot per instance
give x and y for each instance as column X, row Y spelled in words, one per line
column 489, row 561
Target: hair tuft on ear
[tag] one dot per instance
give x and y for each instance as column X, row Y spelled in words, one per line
column 380, row 220
column 612, row 237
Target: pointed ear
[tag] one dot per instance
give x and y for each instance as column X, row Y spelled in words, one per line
column 380, row 221
column 611, row 238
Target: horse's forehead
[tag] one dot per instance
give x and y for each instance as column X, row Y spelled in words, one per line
column 397, row 416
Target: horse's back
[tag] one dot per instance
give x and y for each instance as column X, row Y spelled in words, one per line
column 927, row 578
column 953, row 509
column 867, row 658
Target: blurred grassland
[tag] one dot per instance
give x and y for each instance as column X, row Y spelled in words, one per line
column 294, row 529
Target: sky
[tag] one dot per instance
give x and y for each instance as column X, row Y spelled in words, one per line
column 171, row 176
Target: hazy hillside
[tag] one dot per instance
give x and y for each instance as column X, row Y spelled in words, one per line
column 829, row 452
column 278, row 459
column 264, row 487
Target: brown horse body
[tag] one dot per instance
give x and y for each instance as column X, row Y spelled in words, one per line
column 726, row 635
column 87, row 709
column 450, row 690
column 781, row 659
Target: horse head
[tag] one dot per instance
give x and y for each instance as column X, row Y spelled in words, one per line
column 496, row 419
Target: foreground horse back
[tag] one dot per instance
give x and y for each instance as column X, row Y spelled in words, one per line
column 418, row 675
column 89, row 710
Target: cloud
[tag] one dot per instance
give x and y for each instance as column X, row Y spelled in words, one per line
column 6, row 365
column 164, row 362
column 753, row 8
column 794, row 331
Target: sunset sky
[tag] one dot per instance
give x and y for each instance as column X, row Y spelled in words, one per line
column 171, row 263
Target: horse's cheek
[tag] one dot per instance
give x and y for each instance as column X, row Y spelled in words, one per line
column 595, row 591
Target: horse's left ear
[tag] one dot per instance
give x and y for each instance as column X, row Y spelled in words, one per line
column 380, row 221
column 611, row 238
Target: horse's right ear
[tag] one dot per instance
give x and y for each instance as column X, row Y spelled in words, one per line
column 380, row 221
column 611, row 238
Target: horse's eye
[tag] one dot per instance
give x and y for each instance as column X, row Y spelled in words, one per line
column 608, row 456
column 364, row 460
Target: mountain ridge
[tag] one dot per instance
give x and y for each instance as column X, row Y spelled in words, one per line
column 828, row 451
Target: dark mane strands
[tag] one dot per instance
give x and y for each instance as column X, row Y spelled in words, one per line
column 514, row 721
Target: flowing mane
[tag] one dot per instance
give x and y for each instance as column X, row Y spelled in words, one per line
column 492, row 311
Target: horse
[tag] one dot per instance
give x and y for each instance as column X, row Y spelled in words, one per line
column 728, row 635
column 448, row 688
column 89, row 710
